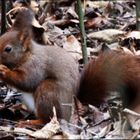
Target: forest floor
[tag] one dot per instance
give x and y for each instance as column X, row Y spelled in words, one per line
column 109, row 26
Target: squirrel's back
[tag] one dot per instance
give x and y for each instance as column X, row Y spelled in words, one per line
column 60, row 65
column 55, row 64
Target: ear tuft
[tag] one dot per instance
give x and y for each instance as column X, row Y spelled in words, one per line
column 24, row 18
column 25, row 37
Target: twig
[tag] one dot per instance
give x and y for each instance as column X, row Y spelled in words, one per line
column 82, row 30
column 3, row 16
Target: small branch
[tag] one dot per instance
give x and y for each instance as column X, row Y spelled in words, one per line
column 82, row 30
column 3, row 16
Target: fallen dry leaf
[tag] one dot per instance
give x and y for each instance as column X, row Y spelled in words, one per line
column 72, row 45
column 133, row 118
column 108, row 35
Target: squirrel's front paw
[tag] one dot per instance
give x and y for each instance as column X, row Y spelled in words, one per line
column 3, row 70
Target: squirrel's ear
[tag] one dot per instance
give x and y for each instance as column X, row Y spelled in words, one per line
column 25, row 37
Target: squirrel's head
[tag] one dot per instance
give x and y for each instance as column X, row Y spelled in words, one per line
column 14, row 46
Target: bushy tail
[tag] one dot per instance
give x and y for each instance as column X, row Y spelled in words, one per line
column 111, row 72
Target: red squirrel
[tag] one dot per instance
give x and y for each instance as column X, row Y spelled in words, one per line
column 48, row 76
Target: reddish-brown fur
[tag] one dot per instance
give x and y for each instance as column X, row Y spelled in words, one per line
column 111, row 72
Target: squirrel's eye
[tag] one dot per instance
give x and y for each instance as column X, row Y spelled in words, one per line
column 8, row 49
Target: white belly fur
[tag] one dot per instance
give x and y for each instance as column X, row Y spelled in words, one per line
column 28, row 100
